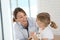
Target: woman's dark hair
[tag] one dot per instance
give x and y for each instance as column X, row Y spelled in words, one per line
column 45, row 18
column 18, row 9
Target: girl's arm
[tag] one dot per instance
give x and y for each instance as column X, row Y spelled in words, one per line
column 47, row 39
column 35, row 37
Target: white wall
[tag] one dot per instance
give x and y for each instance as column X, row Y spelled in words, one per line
column 0, row 28
column 33, row 8
column 6, row 15
column 0, row 23
column 52, row 7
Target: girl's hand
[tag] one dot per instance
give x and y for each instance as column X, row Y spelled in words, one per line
column 35, row 37
column 31, row 35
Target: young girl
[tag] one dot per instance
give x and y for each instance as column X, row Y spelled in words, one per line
column 44, row 22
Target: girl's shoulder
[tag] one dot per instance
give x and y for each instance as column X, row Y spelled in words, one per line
column 47, row 33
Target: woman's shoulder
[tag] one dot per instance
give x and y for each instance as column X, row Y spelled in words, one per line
column 16, row 25
column 31, row 18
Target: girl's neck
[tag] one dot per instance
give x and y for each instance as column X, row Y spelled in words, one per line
column 42, row 28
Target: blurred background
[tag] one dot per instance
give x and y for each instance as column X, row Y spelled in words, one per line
column 32, row 8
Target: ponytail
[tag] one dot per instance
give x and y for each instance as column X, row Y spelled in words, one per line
column 53, row 25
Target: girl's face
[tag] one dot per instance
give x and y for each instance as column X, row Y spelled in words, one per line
column 40, row 24
column 21, row 17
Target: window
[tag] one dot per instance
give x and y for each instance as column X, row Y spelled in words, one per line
column 30, row 6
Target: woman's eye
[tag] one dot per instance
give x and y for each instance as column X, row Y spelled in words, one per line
column 24, row 15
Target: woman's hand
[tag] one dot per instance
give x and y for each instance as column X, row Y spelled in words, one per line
column 30, row 38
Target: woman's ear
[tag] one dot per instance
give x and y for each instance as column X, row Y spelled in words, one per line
column 16, row 20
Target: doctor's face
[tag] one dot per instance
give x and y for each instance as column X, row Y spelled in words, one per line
column 21, row 17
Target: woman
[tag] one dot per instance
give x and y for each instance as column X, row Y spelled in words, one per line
column 22, row 25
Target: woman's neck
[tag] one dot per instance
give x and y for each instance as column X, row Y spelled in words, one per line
column 25, row 25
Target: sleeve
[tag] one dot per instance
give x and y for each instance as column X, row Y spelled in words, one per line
column 17, row 35
column 32, row 22
column 35, row 25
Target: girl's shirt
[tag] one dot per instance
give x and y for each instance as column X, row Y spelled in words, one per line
column 46, row 33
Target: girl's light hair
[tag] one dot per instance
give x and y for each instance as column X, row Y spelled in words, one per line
column 45, row 18
column 53, row 25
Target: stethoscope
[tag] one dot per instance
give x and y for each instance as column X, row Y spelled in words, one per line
column 19, row 24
